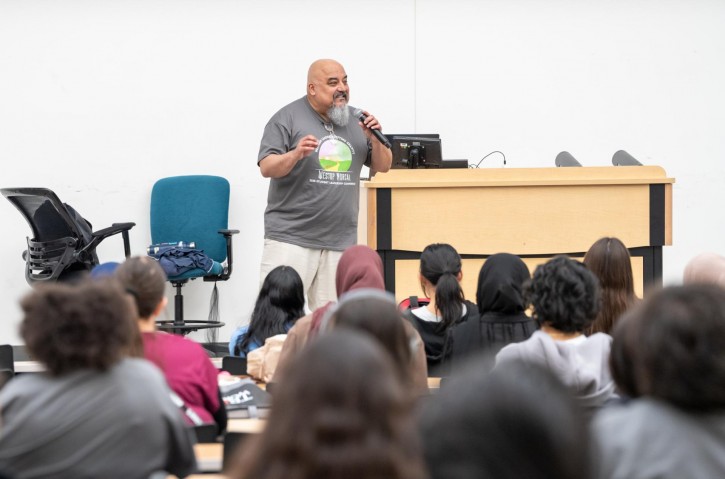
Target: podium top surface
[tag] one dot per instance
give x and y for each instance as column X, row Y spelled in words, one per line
column 492, row 177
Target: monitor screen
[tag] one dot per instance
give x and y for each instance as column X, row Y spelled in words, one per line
column 416, row 151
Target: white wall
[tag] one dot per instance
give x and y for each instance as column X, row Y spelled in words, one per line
column 100, row 98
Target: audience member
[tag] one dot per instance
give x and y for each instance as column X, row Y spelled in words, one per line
column 501, row 307
column 705, row 268
column 565, row 298
column 668, row 355
column 516, row 422
column 95, row 412
column 440, row 276
column 376, row 313
column 186, row 366
column 340, row 411
column 359, row 267
column 280, row 303
column 609, row 260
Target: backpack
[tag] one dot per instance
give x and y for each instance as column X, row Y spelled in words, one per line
column 262, row 362
column 412, row 302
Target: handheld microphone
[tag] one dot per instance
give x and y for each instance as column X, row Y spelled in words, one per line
column 378, row 134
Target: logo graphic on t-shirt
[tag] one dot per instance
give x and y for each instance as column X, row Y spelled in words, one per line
column 334, row 155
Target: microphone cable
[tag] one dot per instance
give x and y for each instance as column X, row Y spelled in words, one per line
column 486, row 156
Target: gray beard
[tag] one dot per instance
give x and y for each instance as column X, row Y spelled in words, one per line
column 339, row 115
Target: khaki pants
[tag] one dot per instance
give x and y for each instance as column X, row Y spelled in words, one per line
column 316, row 268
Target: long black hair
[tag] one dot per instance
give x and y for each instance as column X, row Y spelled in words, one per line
column 281, row 301
column 440, row 264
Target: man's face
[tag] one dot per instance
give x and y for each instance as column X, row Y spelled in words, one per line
column 328, row 87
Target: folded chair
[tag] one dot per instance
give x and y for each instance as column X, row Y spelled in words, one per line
column 193, row 211
column 63, row 245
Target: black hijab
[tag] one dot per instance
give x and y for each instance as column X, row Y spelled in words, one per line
column 499, row 284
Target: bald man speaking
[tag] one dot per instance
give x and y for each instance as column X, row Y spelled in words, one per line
column 313, row 150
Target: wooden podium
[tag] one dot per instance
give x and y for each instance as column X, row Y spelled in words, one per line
column 535, row 213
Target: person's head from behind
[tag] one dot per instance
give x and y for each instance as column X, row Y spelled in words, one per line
column 609, row 260
column 280, row 303
column 72, row 327
column 518, row 421
column 327, row 90
column 359, row 267
column 500, row 284
column 672, row 347
column 440, row 276
column 705, row 268
column 338, row 411
column 564, row 295
column 145, row 280
column 375, row 313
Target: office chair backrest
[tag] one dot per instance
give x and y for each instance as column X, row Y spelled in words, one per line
column 49, row 218
column 62, row 245
column 7, row 359
column 234, row 365
column 230, row 450
column 191, row 209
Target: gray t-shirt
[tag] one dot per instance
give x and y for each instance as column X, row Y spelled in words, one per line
column 88, row 424
column 316, row 204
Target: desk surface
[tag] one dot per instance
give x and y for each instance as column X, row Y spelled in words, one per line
column 209, row 456
column 493, row 177
column 29, row 366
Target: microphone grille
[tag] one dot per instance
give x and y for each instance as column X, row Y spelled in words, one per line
column 357, row 112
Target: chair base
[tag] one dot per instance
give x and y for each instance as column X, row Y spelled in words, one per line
column 187, row 326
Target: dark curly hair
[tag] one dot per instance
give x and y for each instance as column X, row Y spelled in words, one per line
column 85, row 326
column 672, row 347
column 564, row 294
column 339, row 412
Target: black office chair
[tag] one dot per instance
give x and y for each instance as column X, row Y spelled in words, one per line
column 206, row 433
column 234, row 365
column 63, row 245
column 232, row 444
column 7, row 364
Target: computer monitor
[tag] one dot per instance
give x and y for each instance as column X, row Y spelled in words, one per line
column 416, row 150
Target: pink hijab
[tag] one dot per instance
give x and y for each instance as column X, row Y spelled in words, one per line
column 359, row 267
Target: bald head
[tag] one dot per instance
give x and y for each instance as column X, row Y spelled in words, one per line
column 327, row 86
column 321, row 68
column 705, row 268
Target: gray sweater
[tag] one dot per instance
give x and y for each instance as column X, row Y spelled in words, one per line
column 648, row 439
column 582, row 364
column 87, row 424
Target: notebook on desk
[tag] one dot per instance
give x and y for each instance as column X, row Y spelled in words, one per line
column 244, row 399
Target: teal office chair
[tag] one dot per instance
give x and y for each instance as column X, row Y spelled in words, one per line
column 193, row 209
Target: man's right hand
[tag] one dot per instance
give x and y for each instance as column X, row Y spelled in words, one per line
column 277, row 166
column 306, row 146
